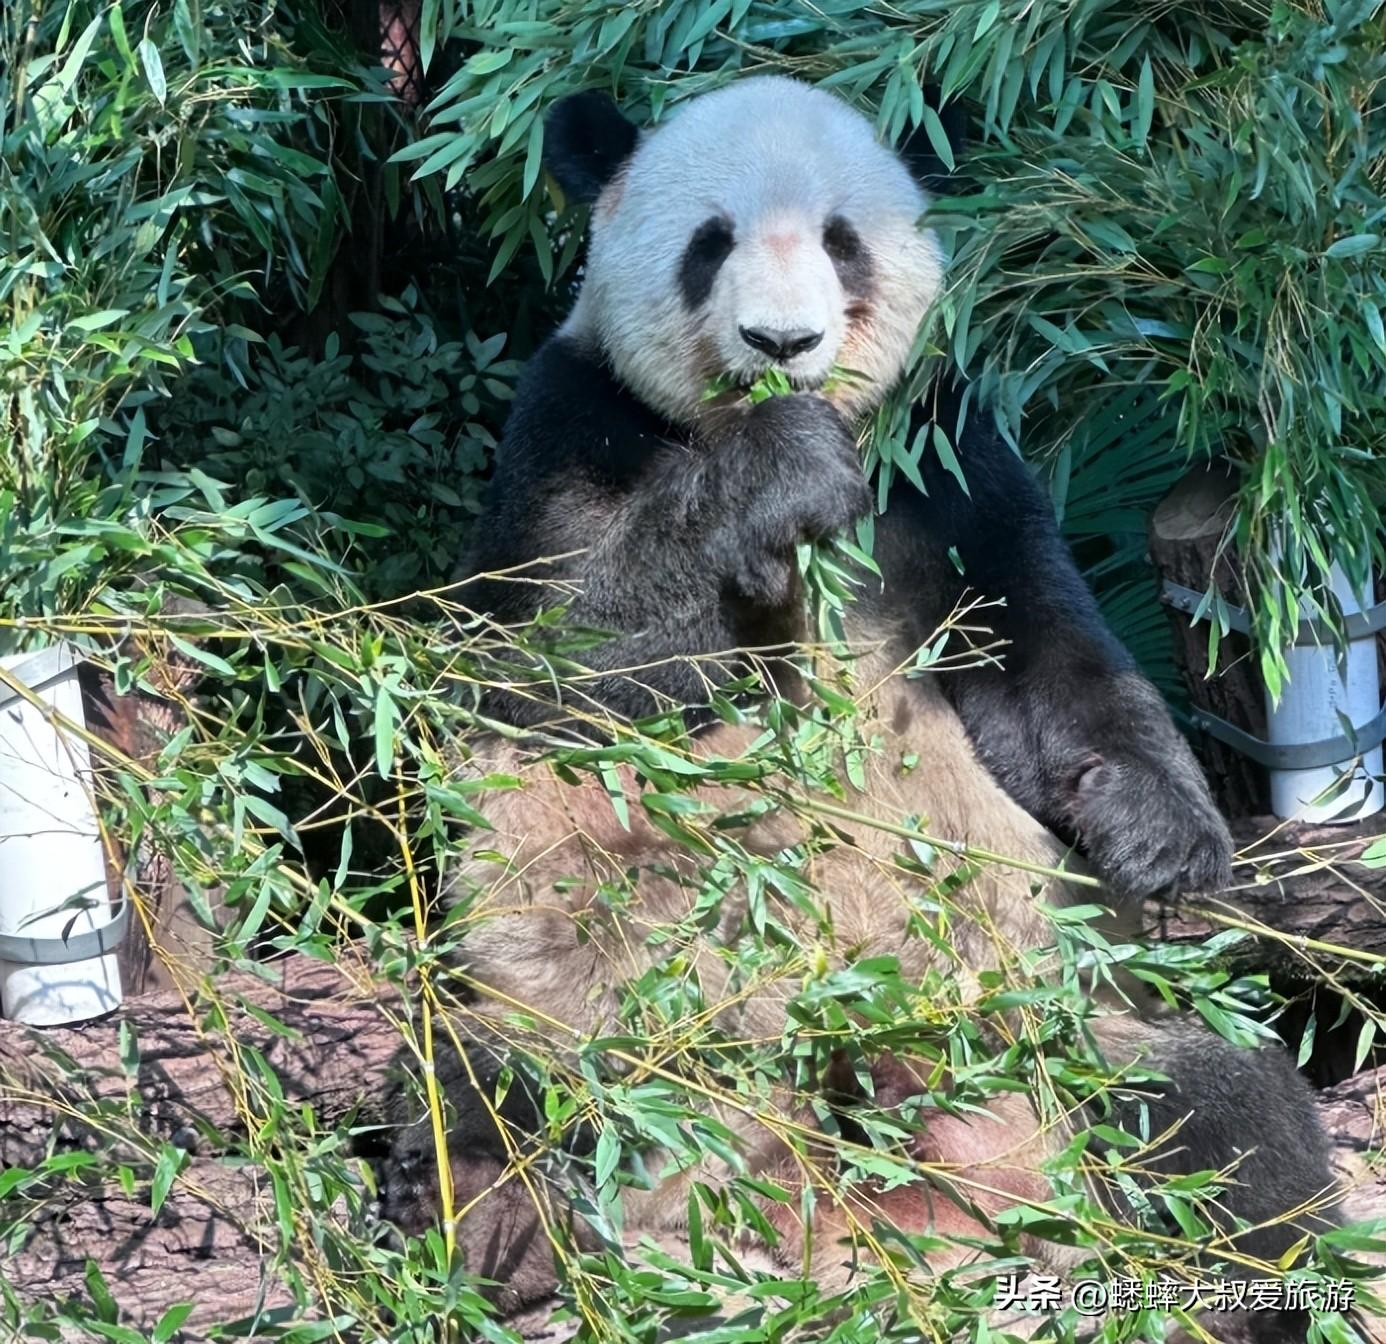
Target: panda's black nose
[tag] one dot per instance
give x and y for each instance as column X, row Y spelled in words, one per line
column 779, row 344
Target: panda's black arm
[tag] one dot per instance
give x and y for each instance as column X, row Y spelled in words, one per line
column 662, row 610
column 1067, row 723
column 683, row 550
column 557, row 517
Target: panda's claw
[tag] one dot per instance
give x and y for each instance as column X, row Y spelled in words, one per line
column 1147, row 835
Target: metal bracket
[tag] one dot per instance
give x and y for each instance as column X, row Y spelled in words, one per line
column 1295, row 755
column 16, row 947
column 1357, row 625
column 39, row 669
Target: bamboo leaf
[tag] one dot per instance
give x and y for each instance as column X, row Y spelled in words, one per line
column 1145, row 104
column 55, row 92
column 167, row 1325
column 153, row 70
column 384, row 732
column 166, row 1168
column 95, row 321
column 1355, row 245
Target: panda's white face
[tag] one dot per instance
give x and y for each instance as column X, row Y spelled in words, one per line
column 762, row 226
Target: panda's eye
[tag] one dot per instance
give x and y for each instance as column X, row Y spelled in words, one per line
column 840, row 240
column 848, row 254
column 706, row 251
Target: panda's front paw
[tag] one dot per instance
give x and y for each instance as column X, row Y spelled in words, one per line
column 809, row 466
column 409, row 1181
column 839, row 503
column 1148, row 832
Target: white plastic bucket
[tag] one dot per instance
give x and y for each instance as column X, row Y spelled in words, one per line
column 52, row 865
column 1318, row 698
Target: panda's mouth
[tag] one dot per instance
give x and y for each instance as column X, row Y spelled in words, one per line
column 776, row 378
column 730, row 376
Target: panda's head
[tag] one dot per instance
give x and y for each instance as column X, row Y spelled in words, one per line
column 762, row 226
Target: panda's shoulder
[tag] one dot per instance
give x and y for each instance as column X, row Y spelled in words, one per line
column 993, row 472
column 947, row 405
column 572, row 419
column 565, row 374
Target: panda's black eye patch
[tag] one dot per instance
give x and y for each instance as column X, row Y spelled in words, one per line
column 848, row 255
column 706, row 251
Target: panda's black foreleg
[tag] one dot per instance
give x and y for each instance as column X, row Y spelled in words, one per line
column 505, row 1224
column 698, row 558
column 1063, row 718
column 702, row 559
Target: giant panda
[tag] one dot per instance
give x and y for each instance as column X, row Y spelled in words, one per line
column 763, row 226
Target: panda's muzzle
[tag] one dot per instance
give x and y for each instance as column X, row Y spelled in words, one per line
column 780, row 344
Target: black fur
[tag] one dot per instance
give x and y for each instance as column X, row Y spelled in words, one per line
column 1278, row 1159
column 691, row 541
column 510, row 1246
column 1066, row 723
column 1248, row 1113
column 586, row 140
column 849, row 257
column 709, row 247
column 410, row 1172
column 930, row 168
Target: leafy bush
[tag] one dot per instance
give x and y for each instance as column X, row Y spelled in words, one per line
column 147, row 171
column 398, row 429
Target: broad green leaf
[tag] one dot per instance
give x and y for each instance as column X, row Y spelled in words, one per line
column 153, row 70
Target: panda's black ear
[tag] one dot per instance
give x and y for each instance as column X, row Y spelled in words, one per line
column 586, row 139
column 921, row 155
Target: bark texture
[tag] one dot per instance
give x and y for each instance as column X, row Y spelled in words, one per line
column 1186, row 539
column 1308, row 883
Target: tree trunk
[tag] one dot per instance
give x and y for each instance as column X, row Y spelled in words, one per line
column 66, row 1090
column 204, row 1246
column 336, row 1047
column 1306, row 882
column 1187, row 531
column 138, row 726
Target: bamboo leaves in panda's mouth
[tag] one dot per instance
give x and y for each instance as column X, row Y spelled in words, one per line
column 771, row 382
column 775, row 382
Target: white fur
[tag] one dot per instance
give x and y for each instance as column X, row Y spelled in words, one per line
column 777, row 158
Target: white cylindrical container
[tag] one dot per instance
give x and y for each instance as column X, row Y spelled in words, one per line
column 1319, row 695
column 52, row 865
